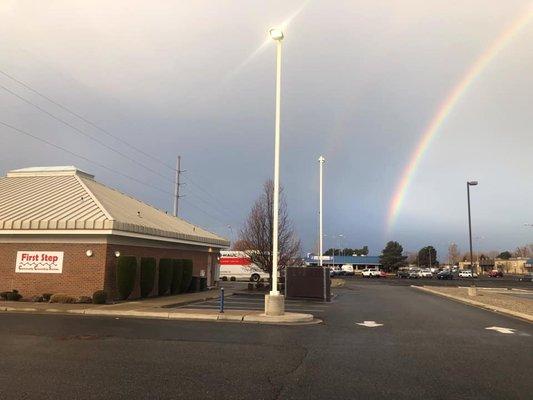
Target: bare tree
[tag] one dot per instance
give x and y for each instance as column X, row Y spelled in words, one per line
column 255, row 238
column 453, row 254
column 522, row 251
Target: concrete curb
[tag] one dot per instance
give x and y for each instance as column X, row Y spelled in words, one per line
column 500, row 310
column 242, row 316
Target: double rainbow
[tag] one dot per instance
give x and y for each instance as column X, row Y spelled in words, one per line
column 447, row 106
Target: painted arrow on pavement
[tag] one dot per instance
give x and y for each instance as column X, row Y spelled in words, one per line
column 508, row 331
column 369, row 324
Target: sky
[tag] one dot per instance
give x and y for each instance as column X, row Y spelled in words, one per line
column 361, row 82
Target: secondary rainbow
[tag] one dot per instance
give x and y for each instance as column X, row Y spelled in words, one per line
column 446, row 107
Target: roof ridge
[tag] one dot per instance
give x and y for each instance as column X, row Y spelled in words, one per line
column 93, row 197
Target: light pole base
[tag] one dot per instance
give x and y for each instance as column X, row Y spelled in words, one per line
column 274, row 305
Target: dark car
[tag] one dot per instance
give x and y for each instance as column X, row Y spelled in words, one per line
column 526, row 278
column 403, row 273
column 496, row 274
column 445, row 275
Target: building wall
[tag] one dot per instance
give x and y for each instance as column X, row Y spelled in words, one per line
column 512, row 266
column 83, row 275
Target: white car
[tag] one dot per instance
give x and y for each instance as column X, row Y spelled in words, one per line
column 465, row 274
column 371, row 273
column 347, row 269
column 425, row 273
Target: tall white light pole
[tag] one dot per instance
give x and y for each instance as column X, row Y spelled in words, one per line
column 321, row 160
column 274, row 303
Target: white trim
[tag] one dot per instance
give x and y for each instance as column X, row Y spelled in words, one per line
column 104, row 232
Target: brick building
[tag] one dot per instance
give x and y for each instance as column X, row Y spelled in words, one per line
column 61, row 232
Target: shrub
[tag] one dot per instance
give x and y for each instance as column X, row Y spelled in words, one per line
column 126, row 271
column 203, row 284
column 165, row 276
column 187, row 275
column 46, row 296
column 3, row 295
column 147, row 276
column 250, row 286
column 177, row 276
column 37, row 299
column 13, row 296
column 84, row 300
column 62, row 298
column 99, row 297
column 259, row 285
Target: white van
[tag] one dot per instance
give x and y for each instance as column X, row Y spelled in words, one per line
column 347, row 269
column 236, row 266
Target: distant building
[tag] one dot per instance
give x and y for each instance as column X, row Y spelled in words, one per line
column 61, row 232
column 516, row 265
column 358, row 262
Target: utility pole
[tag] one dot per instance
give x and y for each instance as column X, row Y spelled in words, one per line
column 321, row 160
column 177, row 185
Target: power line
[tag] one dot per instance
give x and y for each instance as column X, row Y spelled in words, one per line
column 83, row 133
column 87, row 121
column 81, row 157
column 103, row 166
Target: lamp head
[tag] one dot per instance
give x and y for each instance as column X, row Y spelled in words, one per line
column 472, row 183
column 276, row 34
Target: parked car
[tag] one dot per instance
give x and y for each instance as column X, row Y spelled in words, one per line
column 414, row 273
column 382, row 274
column 347, row 269
column 445, row 274
column 403, row 273
column 425, row 273
column 495, row 274
column 371, row 273
column 526, row 278
column 335, row 271
column 465, row 273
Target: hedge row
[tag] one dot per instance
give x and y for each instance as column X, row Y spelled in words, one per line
column 175, row 276
column 126, row 270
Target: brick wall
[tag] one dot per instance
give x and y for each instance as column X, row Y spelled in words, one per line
column 83, row 275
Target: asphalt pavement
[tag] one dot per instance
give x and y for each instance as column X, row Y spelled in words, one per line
column 418, row 346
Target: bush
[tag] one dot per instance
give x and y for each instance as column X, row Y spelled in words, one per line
column 165, row 276
column 147, row 276
column 203, row 284
column 3, row 295
column 46, row 296
column 37, row 299
column 99, row 297
column 187, row 275
column 250, row 286
column 62, row 298
column 259, row 285
column 11, row 296
column 84, row 300
column 126, row 271
column 177, row 276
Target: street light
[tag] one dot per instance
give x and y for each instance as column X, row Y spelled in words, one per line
column 468, row 184
column 274, row 302
column 321, row 160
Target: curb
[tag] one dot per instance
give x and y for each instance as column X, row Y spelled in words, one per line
column 500, row 310
column 244, row 316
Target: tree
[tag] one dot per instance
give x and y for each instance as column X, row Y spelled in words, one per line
column 392, row 256
column 256, row 236
column 522, row 251
column 427, row 256
column 330, row 252
column 453, row 254
column 505, row 255
column 361, row 252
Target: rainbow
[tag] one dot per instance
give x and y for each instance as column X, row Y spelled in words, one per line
column 447, row 106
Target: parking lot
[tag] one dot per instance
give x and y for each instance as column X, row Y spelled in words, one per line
column 257, row 302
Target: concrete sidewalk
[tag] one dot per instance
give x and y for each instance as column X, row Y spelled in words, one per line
column 485, row 299
column 161, row 308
